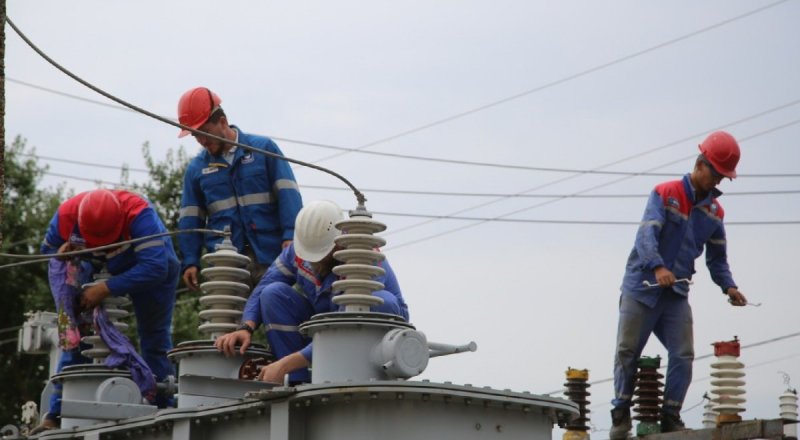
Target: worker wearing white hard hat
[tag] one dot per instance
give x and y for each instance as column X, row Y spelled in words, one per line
column 297, row 286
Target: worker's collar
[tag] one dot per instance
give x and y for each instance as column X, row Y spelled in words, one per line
column 713, row 194
column 230, row 155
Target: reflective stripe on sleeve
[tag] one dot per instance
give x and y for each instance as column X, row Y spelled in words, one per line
column 718, row 241
column 282, row 328
column 285, row 184
column 148, row 244
column 191, row 211
column 282, row 268
column 651, row 223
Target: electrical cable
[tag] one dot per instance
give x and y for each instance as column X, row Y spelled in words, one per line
column 562, row 80
column 463, row 162
column 539, row 196
column 31, row 259
column 591, row 188
column 569, row 222
column 359, row 196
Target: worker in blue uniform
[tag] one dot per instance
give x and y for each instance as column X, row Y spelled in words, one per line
column 254, row 194
column 297, row 286
column 682, row 218
column 147, row 271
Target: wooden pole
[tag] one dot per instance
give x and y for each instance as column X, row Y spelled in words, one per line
column 2, row 111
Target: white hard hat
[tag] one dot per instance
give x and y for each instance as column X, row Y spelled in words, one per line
column 314, row 230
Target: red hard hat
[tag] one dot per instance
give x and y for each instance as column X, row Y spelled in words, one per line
column 722, row 151
column 195, row 107
column 100, row 218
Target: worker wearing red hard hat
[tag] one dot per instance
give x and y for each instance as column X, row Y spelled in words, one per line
column 254, row 194
column 147, row 271
column 682, row 218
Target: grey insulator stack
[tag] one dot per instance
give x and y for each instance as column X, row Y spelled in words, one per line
column 226, row 291
column 113, row 305
column 788, row 406
column 709, row 415
column 361, row 259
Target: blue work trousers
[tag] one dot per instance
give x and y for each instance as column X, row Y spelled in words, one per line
column 671, row 321
column 283, row 309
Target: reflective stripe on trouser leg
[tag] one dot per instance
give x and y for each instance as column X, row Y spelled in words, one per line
column 674, row 330
column 282, row 310
column 636, row 322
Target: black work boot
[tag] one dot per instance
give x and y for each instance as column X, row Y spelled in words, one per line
column 671, row 422
column 620, row 424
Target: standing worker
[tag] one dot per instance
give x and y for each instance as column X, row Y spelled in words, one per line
column 147, row 270
column 681, row 218
column 255, row 194
column 297, row 286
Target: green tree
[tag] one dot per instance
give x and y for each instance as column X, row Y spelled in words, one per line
column 27, row 212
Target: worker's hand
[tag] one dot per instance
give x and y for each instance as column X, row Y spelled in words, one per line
column 66, row 247
column 190, row 277
column 94, row 295
column 664, row 277
column 274, row 372
column 227, row 343
column 736, row 298
column 286, row 244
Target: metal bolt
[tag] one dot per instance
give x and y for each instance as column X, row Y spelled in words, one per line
column 307, row 402
column 477, row 426
column 324, row 399
column 196, row 421
column 400, row 396
column 373, row 396
column 526, row 408
column 467, row 401
column 499, row 428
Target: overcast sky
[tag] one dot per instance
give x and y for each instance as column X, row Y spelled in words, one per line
column 577, row 85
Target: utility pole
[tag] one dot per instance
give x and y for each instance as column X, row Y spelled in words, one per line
column 2, row 111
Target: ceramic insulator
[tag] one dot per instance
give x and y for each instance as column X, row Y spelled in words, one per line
column 727, row 385
column 709, row 415
column 360, row 257
column 226, row 290
column 113, row 305
column 788, row 406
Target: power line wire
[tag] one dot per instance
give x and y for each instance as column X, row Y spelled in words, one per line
column 561, row 80
column 359, row 196
column 591, row 188
column 571, row 222
column 538, row 196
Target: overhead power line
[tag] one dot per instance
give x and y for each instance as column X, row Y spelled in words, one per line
column 588, row 189
column 562, row 80
column 537, row 196
column 565, row 222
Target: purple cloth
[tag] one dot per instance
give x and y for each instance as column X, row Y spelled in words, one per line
column 124, row 355
column 65, row 281
column 64, row 278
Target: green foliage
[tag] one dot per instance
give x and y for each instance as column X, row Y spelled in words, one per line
column 164, row 188
column 28, row 210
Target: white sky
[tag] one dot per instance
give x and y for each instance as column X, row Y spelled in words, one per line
column 537, row 298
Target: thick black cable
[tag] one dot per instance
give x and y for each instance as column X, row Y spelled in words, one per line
column 597, row 170
column 359, row 196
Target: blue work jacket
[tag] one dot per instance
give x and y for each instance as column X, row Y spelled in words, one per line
column 256, row 195
column 134, row 267
column 290, row 269
column 674, row 230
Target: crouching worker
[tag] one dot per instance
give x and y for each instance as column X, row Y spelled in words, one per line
column 147, row 270
column 297, row 286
